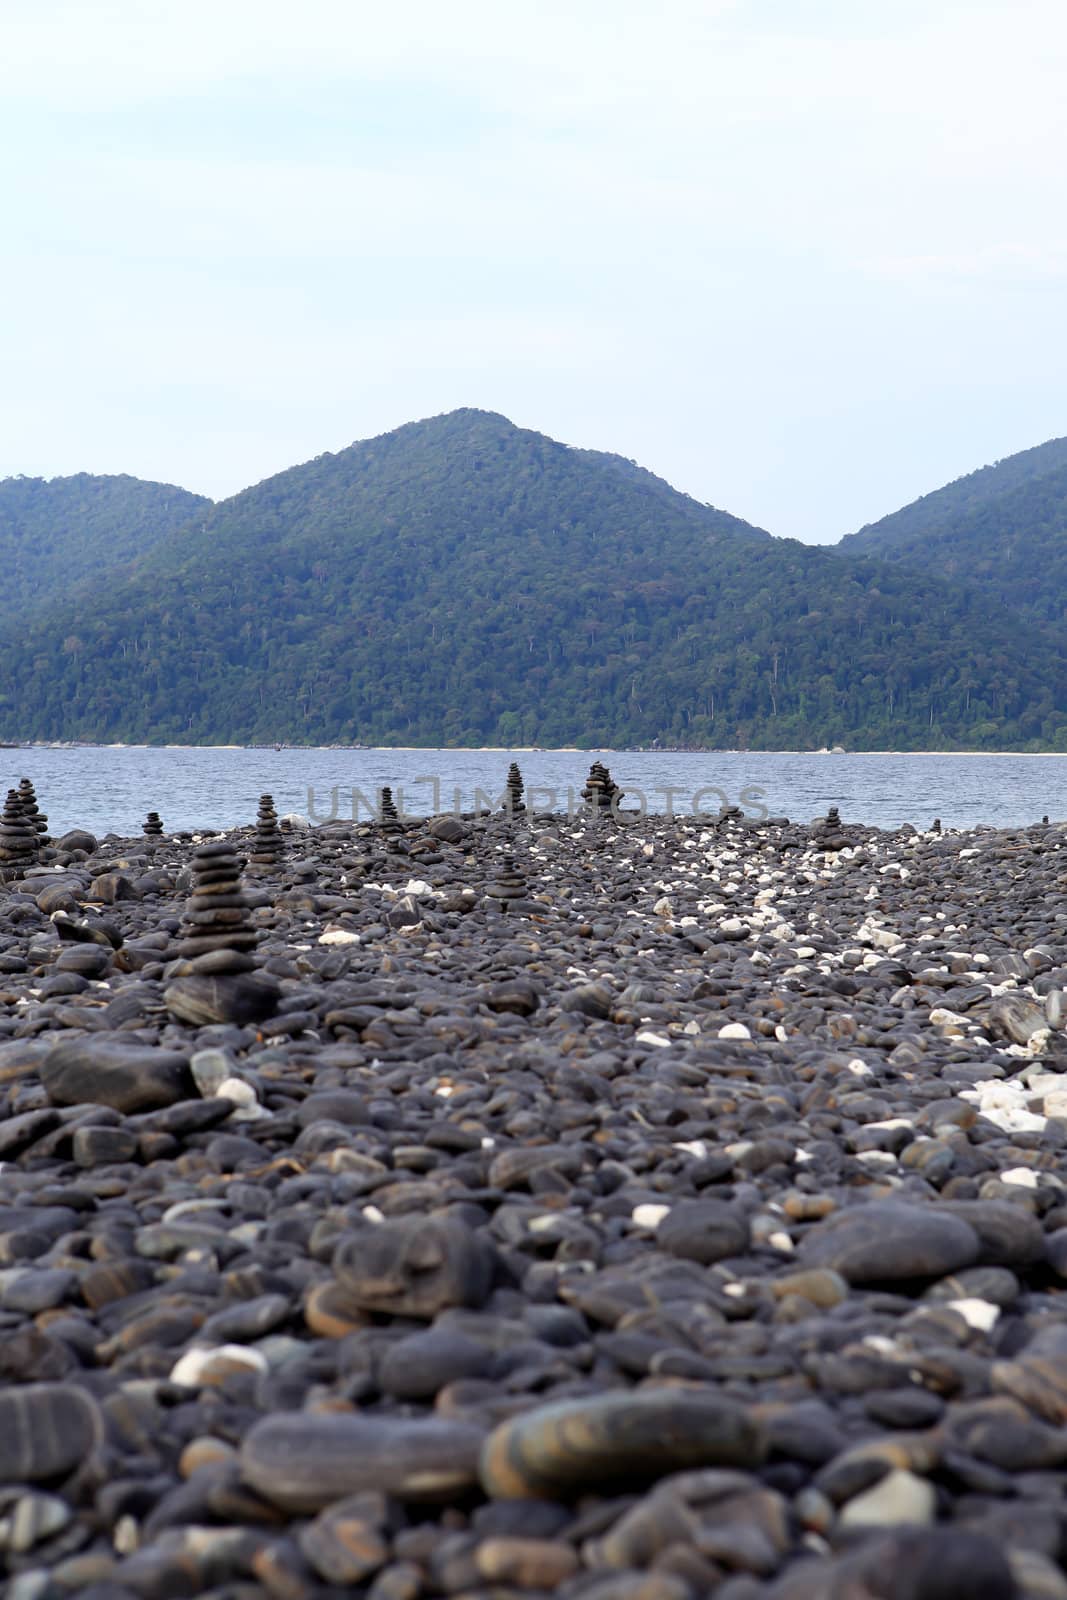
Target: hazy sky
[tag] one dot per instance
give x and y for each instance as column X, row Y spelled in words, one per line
column 805, row 258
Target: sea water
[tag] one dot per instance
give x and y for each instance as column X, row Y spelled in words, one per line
column 113, row 787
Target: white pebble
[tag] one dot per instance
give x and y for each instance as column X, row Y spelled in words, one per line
column 648, row 1215
column 898, row 1498
column 980, row 1314
column 235, row 1089
column 195, row 1365
column 734, row 1030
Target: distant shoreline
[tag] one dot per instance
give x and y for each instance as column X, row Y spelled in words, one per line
column 524, row 749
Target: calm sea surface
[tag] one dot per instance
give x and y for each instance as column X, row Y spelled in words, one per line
column 112, row 787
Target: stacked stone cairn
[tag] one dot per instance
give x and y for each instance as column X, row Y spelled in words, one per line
column 152, row 827
column 830, row 833
column 18, row 837
column 388, row 815
column 268, row 847
column 509, row 887
column 213, row 979
column 513, row 801
column 33, row 811
column 601, row 791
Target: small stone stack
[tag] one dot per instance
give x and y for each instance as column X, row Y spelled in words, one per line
column 830, row 833
column 18, row 837
column 513, row 801
column 213, row 979
column 510, row 885
column 268, row 847
column 388, row 815
column 601, row 791
column 33, row 812
column 152, row 827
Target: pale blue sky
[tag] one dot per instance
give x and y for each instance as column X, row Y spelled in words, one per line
column 804, row 258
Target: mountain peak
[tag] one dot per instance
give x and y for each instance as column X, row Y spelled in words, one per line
column 461, row 580
column 1001, row 530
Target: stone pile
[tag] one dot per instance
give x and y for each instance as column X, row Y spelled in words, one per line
column 388, row 815
column 213, row 979
column 601, row 792
column 705, row 1236
column 513, row 801
column 508, row 887
column 18, row 837
column 830, row 830
column 152, row 827
column 268, row 846
column 33, row 812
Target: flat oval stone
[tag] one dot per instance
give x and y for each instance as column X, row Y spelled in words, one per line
column 417, row 1367
column 46, row 1430
column 886, row 1241
column 940, row 1563
column 129, row 1078
column 1009, row 1235
column 574, row 1446
column 415, row 1266
column 233, row 996
column 704, row 1231
column 303, row 1462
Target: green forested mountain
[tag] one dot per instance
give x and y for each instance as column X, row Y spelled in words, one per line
column 464, row 581
column 1002, row 528
column 56, row 531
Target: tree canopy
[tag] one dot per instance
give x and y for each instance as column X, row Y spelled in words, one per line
column 463, row 581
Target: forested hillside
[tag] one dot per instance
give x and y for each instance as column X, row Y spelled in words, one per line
column 1003, row 529
column 55, row 532
column 464, row 581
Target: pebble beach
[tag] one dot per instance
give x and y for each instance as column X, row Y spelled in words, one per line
column 514, row 1205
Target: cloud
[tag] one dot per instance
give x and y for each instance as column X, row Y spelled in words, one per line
column 1004, row 263
column 719, row 235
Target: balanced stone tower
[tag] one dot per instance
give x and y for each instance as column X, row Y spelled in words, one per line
column 510, row 885
column 829, row 834
column 18, row 837
column 33, row 811
column 601, row 792
column 268, row 847
column 152, row 827
column 388, row 815
column 214, row 979
column 513, row 801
